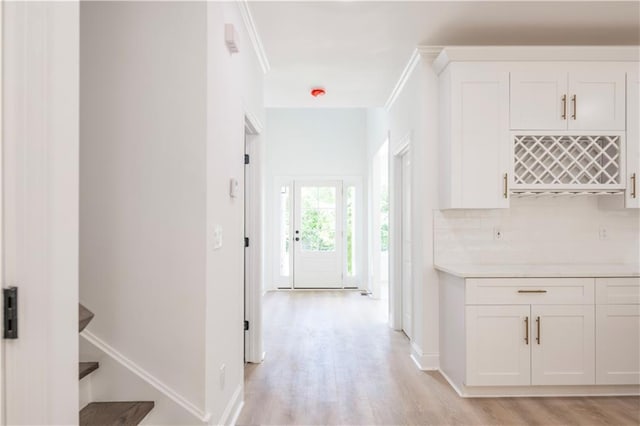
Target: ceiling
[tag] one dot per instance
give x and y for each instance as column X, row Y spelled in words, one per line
column 358, row 49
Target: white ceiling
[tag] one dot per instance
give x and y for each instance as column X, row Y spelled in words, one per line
column 358, row 49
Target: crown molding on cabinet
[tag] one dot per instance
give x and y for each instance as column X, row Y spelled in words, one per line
column 535, row 53
column 428, row 52
column 254, row 36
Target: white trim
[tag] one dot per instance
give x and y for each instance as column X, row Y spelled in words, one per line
column 3, row 420
column 233, row 409
column 404, row 77
column 252, row 124
column 395, row 232
column 146, row 376
column 414, row 59
column 534, row 54
column 424, row 362
column 254, row 36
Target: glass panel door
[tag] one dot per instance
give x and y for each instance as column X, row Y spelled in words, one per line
column 318, row 242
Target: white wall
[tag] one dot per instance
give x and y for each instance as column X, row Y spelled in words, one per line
column 539, row 231
column 163, row 106
column 143, row 184
column 414, row 115
column 312, row 142
column 235, row 88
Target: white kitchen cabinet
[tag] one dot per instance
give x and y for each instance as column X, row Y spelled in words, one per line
column 618, row 331
column 563, row 347
column 618, row 344
column 553, row 97
column 475, row 136
column 597, row 100
column 498, row 342
column 539, row 100
column 632, row 196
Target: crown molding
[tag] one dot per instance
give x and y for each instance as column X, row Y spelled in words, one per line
column 534, row 54
column 427, row 52
column 254, row 36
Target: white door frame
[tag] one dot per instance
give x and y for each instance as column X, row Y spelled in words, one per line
column 2, row 283
column 253, row 273
column 395, row 232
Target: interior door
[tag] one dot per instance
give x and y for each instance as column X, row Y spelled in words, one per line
column 407, row 294
column 317, row 238
column 563, row 349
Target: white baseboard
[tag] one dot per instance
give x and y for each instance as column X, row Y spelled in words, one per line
column 146, row 376
column 233, row 409
column 541, row 391
column 424, row 361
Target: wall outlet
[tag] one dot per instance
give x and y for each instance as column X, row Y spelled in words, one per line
column 603, row 234
column 497, row 234
column 223, row 369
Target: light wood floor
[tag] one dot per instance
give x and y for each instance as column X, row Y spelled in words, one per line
column 332, row 359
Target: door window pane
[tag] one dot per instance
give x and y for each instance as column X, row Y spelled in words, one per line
column 318, row 217
column 285, row 230
column 351, row 231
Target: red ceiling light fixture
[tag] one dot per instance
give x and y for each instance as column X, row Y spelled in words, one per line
column 316, row 92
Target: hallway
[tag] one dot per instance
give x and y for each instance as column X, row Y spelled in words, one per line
column 332, row 359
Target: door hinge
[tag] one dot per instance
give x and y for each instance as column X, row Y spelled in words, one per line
column 246, row 242
column 246, row 159
column 246, row 325
column 10, row 306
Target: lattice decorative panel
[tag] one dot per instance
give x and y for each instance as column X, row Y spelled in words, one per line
column 566, row 160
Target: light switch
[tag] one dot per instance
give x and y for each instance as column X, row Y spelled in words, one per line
column 217, row 237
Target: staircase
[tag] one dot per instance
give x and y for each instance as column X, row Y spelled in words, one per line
column 108, row 413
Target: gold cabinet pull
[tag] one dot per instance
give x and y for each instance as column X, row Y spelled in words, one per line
column 505, row 185
column 574, row 100
column 538, row 327
column 564, row 107
column 526, row 330
column 633, row 185
column 532, row 291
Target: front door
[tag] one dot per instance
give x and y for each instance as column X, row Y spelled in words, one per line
column 317, row 234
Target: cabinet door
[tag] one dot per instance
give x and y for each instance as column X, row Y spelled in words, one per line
column 632, row 197
column 597, row 100
column 539, row 100
column 498, row 345
column 563, row 346
column 618, row 344
column 479, row 136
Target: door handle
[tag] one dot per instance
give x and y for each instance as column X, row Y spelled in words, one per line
column 564, row 107
column 538, row 327
column 505, row 185
column 574, row 100
column 633, row 185
column 526, row 330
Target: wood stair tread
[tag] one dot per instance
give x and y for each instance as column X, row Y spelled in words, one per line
column 115, row 413
column 85, row 368
column 85, row 317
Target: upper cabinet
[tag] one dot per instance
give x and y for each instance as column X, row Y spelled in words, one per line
column 519, row 121
column 632, row 196
column 550, row 97
column 475, row 107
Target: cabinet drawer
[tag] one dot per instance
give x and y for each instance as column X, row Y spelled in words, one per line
column 540, row 291
column 612, row 291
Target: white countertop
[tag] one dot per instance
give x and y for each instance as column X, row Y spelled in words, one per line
column 540, row 271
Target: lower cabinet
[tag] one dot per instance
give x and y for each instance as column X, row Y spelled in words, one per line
column 618, row 349
column 498, row 345
column 521, row 345
column 563, row 347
